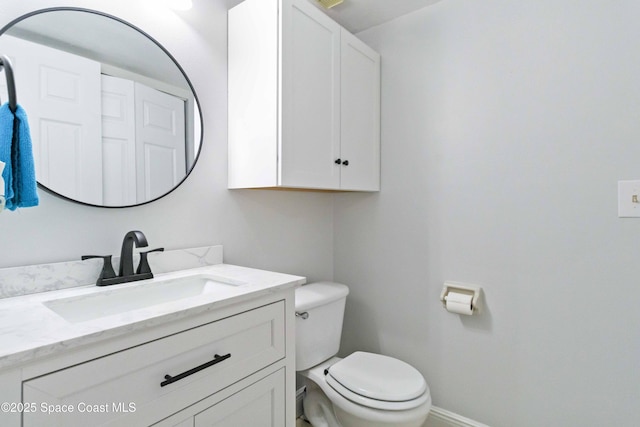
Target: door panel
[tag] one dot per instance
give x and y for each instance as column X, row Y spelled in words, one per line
column 118, row 142
column 61, row 94
column 259, row 405
column 160, row 142
column 311, row 99
column 360, row 132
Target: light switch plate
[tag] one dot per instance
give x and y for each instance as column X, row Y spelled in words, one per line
column 629, row 199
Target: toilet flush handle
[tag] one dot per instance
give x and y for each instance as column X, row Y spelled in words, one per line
column 304, row 315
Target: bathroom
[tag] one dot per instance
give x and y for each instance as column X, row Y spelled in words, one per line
column 505, row 128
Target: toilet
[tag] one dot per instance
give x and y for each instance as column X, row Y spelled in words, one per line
column 361, row 390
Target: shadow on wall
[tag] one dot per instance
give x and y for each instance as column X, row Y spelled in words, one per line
column 482, row 321
column 359, row 331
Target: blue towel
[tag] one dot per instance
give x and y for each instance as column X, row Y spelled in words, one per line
column 6, row 139
column 16, row 151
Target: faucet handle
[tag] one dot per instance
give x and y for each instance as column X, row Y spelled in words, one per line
column 107, row 268
column 143, row 266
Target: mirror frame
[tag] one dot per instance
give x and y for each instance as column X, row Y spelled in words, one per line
column 5, row 28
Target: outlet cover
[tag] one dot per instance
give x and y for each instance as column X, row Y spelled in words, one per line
column 629, row 199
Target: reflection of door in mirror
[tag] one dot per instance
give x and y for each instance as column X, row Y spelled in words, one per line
column 160, row 136
column 100, row 139
column 143, row 138
column 58, row 91
column 118, row 142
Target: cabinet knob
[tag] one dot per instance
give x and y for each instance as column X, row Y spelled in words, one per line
column 345, row 163
column 338, row 161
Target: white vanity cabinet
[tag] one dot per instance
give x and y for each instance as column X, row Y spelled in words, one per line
column 230, row 367
column 304, row 100
column 261, row 403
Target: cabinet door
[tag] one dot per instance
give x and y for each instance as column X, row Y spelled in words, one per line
column 259, row 405
column 360, row 115
column 310, row 141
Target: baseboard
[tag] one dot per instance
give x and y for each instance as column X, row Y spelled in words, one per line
column 439, row 417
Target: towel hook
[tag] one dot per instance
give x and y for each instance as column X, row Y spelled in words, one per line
column 11, row 85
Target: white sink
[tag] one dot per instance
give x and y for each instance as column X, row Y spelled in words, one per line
column 115, row 300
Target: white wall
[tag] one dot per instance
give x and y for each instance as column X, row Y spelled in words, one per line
column 284, row 231
column 505, row 128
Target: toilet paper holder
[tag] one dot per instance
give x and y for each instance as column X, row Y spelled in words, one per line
column 474, row 291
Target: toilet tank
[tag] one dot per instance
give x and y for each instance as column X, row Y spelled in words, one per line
column 319, row 314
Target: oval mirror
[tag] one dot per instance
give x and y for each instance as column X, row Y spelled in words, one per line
column 114, row 119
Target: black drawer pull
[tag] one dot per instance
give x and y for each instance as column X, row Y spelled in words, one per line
column 168, row 379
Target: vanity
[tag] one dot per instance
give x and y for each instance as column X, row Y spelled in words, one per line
column 212, row 345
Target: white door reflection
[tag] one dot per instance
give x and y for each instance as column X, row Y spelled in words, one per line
column 112, row 124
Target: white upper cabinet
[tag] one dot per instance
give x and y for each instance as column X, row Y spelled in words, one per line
column 304, row 100
column 310, row 98
column 359, row 115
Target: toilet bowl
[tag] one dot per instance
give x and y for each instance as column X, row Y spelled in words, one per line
column 361, row 390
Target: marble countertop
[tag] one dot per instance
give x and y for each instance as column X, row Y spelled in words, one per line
column 30, row 330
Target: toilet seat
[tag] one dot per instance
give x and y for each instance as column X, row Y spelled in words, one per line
column 378, row 381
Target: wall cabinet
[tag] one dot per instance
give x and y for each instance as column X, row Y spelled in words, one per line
column 304, row 100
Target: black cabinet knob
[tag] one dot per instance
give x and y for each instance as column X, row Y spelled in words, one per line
column 345, row 163
column 338, row 161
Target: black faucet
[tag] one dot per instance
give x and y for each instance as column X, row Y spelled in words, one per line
column 126, row 272
column 126, row 253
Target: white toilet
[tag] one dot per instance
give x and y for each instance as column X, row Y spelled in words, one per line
column 361, row 390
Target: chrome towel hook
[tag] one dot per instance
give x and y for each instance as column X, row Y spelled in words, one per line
column 11, row 85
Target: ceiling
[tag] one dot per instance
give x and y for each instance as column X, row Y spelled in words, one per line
column 101, row 39
column 358, row 15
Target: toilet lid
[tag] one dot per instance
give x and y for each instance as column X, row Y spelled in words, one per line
column 379, row 377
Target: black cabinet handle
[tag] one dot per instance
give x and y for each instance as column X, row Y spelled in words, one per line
column 345, row 163
column 168, row 379
column 338, row 161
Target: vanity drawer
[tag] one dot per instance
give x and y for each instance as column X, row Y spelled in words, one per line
column 125, row 388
